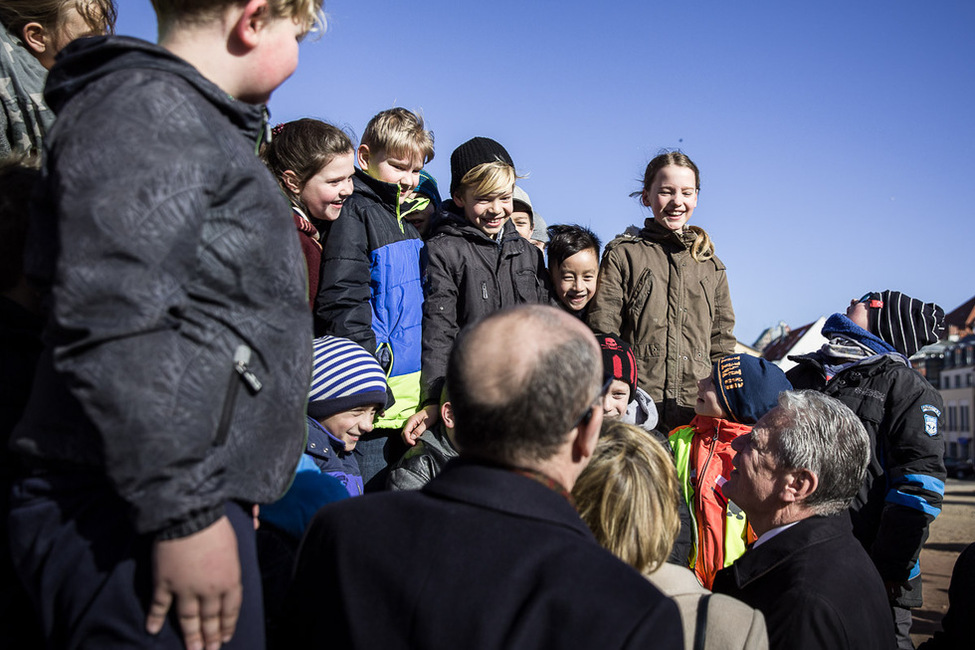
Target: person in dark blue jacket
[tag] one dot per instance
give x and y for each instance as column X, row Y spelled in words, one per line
column 865, row 365
column 370, row 289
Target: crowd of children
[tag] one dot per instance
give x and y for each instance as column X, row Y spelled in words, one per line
column 132, row 428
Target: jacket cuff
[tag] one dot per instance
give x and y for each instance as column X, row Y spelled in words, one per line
column 194, row 524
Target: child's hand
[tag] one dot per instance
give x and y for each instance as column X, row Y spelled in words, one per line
column 419, row 422
column 201, row 573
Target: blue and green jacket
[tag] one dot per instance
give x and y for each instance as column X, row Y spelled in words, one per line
column 370, row 289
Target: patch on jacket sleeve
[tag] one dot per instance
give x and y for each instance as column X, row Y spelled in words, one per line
column 931, row 415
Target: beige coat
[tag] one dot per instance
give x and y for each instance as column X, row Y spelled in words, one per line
column 675, row 312
column 731, row 624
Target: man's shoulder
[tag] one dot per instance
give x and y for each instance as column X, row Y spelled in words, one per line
column 518, row 542
column 816, row 551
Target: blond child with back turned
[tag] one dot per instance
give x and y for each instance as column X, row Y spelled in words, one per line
column 171, row 396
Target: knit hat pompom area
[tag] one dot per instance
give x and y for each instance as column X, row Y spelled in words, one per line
column 344, row 377
column 472, row 153
column 619, row 362
column 906, row 323
column 748, row 387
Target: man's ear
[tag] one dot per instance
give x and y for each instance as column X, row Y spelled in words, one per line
column 291, row 181
column 587, row 435
column 447, row 414
column 362, row 156
column 250, row 23
column 800, row 485
column 36, row 37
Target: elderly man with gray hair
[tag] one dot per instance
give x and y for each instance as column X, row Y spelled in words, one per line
column 795, row 476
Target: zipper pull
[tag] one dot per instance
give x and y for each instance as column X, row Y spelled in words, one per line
column 484, row 290
column 241, row 358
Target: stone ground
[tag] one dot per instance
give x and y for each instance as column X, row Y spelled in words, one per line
column 952, row 531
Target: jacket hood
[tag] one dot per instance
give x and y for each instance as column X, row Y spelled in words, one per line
column 451, row 221
column 377, row 190
column 641, row 411
column 88, row 60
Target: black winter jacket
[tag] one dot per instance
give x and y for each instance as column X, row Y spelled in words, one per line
column 179, row 342
column 904, row 487
column 816, row 588
column 469, row 276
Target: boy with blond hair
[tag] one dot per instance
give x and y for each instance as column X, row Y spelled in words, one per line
column 370, row 289
column 477, row 263
column 171, row 394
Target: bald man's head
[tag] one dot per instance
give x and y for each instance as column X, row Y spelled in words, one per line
column 519, row 380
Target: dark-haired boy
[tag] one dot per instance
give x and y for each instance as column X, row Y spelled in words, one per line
column 573, row 263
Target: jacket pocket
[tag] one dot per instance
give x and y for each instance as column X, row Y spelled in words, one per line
column 527, row 286
column 707, row 290
column 636, row 304
column 241, row 374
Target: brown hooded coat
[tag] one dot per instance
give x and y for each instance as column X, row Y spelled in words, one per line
column 675, row 312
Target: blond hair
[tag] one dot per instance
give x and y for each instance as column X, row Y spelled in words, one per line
column 99, row 15
column 305, row 12
column 486, row 179
column 398, row 132
column 628, row 496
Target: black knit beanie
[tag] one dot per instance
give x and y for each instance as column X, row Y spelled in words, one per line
column 906, row 323
column 748, row 387
column 472, row 153
column 619, row 362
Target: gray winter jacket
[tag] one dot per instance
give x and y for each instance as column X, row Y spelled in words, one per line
column 179, row 342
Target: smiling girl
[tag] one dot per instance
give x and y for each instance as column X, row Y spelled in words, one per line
column 665, row 293
column 313, row 164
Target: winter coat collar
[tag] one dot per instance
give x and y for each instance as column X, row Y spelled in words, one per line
column 723, row 429
column 321, row 442
column 779, row 550
column 380, row 191
column 453, row 222
column 654, row 232
column 496, row 488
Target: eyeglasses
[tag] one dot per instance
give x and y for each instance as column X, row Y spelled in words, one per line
column 866, row 297
column 585, row 418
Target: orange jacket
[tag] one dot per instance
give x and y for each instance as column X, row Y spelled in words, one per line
column 703, row 454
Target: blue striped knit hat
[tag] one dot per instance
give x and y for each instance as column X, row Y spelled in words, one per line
column 344, row 376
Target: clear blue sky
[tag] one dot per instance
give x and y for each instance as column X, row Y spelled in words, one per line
column 835, row 139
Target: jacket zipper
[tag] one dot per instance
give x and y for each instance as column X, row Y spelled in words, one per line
column 241, row 374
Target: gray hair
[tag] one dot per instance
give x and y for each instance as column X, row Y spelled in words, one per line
column 824, row 436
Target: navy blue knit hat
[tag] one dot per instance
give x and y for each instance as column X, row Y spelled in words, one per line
column 748, row 387
column 344, row 376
